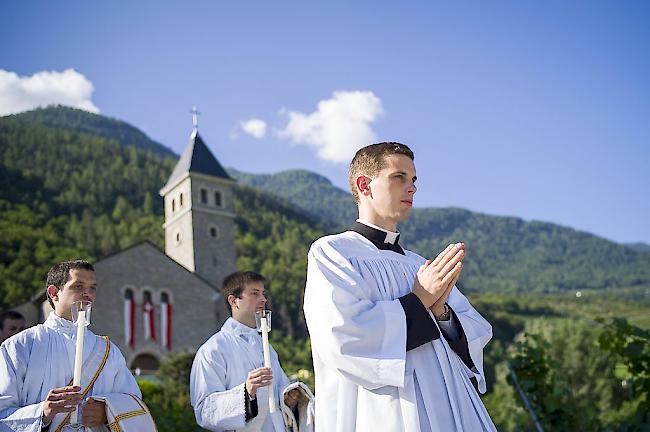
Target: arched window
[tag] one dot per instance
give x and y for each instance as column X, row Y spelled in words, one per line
column 178, row 237
column 128, row 294
column 146, row 296
column 173, row 205
column 214, row 232
column 180, row 200
column 145, row 364
column 204, row 196
column 217, row 199
column 164, row 298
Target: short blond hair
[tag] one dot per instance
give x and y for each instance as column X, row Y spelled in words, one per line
column 371, row 159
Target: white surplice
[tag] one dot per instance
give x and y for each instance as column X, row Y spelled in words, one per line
column 218, row 378
column 365, row 378
column 41, row 358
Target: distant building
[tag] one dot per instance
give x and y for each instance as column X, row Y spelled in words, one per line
column 152, row 303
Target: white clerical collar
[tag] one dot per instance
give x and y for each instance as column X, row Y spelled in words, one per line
column 238, row 327
column 391, row 236
column 56, row 322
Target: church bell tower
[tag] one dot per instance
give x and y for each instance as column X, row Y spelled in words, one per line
column 199, row 212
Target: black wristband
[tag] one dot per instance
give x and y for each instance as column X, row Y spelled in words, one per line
column 420, row 328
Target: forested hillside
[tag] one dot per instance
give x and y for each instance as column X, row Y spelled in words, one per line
column 66, row 191
column 76, row 120
column 308, row 191
column 639, row 246
column 505, row 254
column 67, row 194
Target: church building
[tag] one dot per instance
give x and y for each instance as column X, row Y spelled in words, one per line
column 151, row 302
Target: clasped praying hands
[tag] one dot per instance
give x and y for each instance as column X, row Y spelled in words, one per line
column 435, row 279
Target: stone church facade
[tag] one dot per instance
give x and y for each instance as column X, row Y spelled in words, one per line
column 142, row 290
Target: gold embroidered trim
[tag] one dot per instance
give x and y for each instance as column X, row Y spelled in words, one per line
column 146, row 408
column 115, row 427
column 126, row 415
column 92, row 381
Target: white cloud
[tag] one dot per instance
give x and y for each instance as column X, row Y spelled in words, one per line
column 45, row 88
column 339, row 127
column 254, row 127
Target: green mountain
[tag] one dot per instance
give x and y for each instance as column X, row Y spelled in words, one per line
column 67, row 191
column 639, row 246
column 508, row 254
column 79, row 121
column 332, row 207
column 505, row 254
column 68, row 194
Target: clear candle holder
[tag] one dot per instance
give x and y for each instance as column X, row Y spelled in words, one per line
column 78, row 427
column 83, row 305
column 263, row 315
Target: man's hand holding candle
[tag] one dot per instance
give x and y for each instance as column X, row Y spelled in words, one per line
column 60, row 400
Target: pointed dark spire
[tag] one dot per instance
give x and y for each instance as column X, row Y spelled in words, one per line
column 197, row 158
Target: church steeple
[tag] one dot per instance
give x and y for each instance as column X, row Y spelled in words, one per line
column 197, row 158
column 199, row 213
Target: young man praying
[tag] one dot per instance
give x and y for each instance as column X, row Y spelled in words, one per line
column 396, row 346
column 37, row 365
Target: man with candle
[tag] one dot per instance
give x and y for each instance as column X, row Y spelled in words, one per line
column 396, row 346
column 36, row 366
column 228, row 384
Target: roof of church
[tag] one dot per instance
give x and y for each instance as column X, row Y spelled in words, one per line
column 148, row 243
column 197, row 158
column 42, row 296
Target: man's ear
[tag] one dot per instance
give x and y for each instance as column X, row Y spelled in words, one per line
column 231, row 300
column 53, row 292
column 363, row 185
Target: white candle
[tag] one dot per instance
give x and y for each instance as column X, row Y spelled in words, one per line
column 267, row 360
column 78, row 357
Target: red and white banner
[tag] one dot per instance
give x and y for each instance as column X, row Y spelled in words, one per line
column 129, row 322
column 166, row 325
column 149, row 322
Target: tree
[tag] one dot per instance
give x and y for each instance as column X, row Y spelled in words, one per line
column 630, row 347
column 567, row 371
column 168, row 397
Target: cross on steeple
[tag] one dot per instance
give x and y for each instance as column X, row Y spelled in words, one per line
column 195, row 118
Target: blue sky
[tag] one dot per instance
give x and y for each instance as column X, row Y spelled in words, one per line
column 531, row 109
